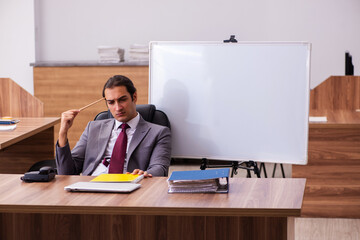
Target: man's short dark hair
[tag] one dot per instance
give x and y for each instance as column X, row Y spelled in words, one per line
column 120, row 80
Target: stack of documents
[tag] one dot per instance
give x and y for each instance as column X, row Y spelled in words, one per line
column 110, row 54
column 8, row 124
column 139, row 52
column 318, row 119
column 199, row 181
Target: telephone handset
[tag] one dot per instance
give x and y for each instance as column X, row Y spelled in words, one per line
column 45, row 174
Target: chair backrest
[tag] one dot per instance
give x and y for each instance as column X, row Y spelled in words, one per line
column 147, row 111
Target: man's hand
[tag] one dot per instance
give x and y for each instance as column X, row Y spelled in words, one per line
column 141, row 172
column 67, row 119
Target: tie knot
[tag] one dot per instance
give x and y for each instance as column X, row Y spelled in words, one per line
column 124, row 126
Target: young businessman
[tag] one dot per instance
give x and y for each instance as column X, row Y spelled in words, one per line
column 148, row 146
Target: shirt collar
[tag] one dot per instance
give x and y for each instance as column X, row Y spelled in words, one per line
column 132, row 123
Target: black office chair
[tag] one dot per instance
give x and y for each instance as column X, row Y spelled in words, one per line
column 36, row 166
column 147, row 111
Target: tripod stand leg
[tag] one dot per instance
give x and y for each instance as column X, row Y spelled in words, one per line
column 274, row 169
column 204, row 163
column 282, row 170
column 262, row 167
column 256, row 169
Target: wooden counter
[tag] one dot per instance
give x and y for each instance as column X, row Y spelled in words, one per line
column 333, row 169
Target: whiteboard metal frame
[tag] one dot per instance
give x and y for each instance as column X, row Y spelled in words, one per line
column 303, row 160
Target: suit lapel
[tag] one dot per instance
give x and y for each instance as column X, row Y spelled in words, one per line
column 103, row 137
column 141, row 130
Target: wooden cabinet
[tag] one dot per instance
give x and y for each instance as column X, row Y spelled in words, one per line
column 61, row 88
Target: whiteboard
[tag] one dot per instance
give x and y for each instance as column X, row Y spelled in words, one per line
column 234, row 101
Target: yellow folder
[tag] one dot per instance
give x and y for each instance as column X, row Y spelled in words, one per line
column 125, row 178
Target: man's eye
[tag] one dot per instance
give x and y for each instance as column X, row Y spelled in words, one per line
column 111, row 102
column 121, row 100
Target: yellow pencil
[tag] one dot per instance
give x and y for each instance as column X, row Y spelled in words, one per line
column 89, row 105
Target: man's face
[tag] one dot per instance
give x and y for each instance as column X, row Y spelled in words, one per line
column 120, row 104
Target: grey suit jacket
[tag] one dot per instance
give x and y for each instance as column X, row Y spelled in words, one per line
column 149, row 149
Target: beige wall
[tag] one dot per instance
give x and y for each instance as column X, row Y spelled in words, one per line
column 17, row 41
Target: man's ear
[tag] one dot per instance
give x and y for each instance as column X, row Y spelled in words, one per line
column 135, row 97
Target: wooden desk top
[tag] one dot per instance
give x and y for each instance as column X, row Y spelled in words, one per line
column 247, row 197
column 27, row 127
column 337, row 119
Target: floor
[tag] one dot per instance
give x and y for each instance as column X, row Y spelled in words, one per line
column 327, row 229
column 305, row 228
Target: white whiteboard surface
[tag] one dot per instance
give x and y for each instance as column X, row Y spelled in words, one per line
column 234, row 101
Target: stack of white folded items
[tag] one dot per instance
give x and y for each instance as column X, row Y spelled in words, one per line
column 139, row 52
column 109, row 54
column 8, row 124
column 207, row 185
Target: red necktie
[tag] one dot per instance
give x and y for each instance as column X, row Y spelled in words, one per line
column 119, row 151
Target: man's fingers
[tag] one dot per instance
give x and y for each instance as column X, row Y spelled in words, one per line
column 141, row 172
column 70, row 114
column 147, row 174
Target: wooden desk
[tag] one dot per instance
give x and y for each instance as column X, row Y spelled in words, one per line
column 30, row 142
column 253, row 209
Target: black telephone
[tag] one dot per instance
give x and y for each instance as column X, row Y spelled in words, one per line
column 45, row 174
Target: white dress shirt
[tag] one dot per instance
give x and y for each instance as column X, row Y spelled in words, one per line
column 101, row 168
